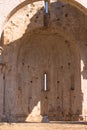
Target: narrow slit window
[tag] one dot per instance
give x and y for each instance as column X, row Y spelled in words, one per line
column 46, row 7
column 45, row 82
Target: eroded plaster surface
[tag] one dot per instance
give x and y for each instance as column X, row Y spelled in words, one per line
column 32, row 49
column 7, row 8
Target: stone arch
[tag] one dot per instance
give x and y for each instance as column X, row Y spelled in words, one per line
column 72, row 2
column 30, row 73
column 12, row 10
column 61, row 32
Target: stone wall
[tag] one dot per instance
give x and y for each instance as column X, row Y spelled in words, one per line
column 30, row 50
column 9, row 7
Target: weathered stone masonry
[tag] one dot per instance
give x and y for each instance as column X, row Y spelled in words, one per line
column 34, row 43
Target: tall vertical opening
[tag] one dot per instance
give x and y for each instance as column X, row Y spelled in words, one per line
column 45, row 82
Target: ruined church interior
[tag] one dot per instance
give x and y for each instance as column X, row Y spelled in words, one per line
column 43, row 63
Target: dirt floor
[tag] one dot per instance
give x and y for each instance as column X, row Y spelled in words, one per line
column 44, row 126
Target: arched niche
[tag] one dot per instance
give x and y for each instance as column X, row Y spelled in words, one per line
column 48, row 52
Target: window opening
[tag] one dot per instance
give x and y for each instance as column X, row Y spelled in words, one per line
column 46, row 7
column 45, row 82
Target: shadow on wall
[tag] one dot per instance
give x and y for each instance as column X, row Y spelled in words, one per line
column 84, row 68
column 27, row 95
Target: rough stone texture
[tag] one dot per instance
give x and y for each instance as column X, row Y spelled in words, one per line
column 8, row 7
column 30, row 50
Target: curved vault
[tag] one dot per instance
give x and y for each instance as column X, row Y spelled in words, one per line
column 50, row 53
column 8, row 8
column 73, row 65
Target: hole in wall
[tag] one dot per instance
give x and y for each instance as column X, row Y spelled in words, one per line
column 69, row 63
column 19, row 88
column 58, row 82
column 31, row 81
column 63, row 6
column 23, row 63
column 8, row 41
column 30, row 97
column 66, row 41
column 4, row 77
column 62, row 67
column 66, row 15
column 27, row 15
column 72, row 88
column 28, row 66
column 42, row 9
column 37, row 17
column 46, row 97
column 58, row 19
